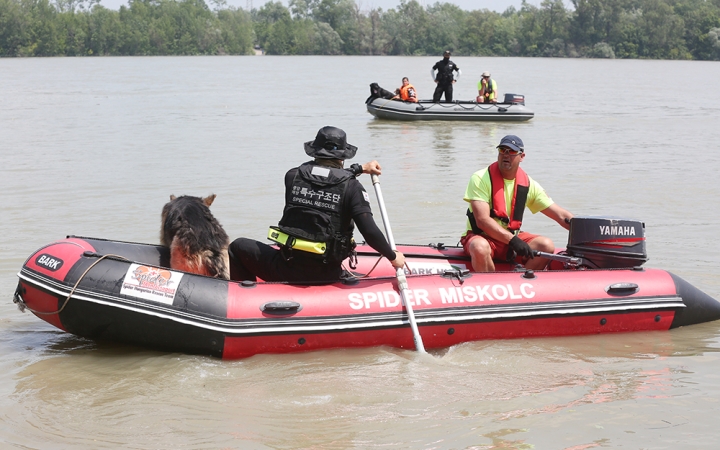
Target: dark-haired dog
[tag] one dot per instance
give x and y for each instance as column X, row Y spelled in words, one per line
column 197, row 241
column 377, row 92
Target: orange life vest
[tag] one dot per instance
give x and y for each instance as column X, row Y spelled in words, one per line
column 499, row 208
column 408, row 93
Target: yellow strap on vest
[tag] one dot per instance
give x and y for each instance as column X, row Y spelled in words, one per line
column 281, row 238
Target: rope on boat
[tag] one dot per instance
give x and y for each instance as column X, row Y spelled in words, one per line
column 381, row 106
column 438, row 246
column 371, row 270
column 452, row 105
column 24, row 306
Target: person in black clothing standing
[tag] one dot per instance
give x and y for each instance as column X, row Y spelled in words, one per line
column 323, row 201
column 444, row 78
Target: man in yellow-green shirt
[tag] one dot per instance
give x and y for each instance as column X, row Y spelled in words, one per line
column 498, row 195
column 487, row 89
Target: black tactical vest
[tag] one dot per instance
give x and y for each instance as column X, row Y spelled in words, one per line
column 313, row 210
column 445, row 72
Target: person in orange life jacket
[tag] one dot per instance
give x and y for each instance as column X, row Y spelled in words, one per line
column 444, row 78
column 323, row 201
column 487, row 89
column 498, row 196
column 406, row 92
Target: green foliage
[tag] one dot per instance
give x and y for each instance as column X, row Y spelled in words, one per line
column 601, row 50
column 700, row 18
column 659, row 29
column 236, row 31
column 143, row 27
column 344, row 18
column 407, row 28
column 444, row 28
column 13, row 28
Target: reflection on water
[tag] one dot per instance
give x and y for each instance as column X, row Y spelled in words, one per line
column 95, row 146
column 443, row 140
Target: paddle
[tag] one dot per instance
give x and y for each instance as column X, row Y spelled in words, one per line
column 399, row 273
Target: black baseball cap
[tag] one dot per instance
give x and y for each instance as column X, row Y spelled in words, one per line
column 513, row 142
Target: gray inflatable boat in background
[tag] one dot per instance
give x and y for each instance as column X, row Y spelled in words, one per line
column 512, row 109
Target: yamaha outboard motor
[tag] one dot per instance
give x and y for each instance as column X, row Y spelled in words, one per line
column 514, row 98
column 607, row 243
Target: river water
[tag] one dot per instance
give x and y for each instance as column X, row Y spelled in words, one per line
column 95, row 146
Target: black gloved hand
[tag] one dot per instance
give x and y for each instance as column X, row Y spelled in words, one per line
column 521, row 247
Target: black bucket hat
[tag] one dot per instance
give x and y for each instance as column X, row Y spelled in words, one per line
column 330, row 143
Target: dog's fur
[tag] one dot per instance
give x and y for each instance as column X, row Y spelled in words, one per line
column 197, row 241
column 377, row 92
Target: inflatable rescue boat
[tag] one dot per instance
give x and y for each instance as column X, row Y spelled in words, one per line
column 125, row 292
column 512, row 109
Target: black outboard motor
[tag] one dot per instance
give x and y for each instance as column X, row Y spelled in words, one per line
column 377, row 92
column 607, row 243
column 514, row 98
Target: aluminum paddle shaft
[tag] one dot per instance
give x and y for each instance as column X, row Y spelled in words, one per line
column 399, row 273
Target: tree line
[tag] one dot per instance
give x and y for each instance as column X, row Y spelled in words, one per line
column 657, row 29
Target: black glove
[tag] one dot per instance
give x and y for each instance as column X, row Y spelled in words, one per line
column 521, row 247
column 356, row 169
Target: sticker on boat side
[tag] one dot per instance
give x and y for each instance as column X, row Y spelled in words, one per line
column 426, row 268
column 151, row 283
column 51, row 263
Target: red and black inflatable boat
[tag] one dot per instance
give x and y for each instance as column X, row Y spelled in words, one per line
column 124, row 292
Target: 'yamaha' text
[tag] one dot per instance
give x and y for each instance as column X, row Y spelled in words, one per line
column 617, row 231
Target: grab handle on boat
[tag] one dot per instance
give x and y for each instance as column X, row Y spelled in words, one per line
column 622, row 289
column 281, row 307
column 399, row 273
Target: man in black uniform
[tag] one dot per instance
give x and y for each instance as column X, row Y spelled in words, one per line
column 322, row 202
column 444, row 78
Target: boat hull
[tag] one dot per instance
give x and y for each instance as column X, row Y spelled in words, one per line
column 461, row 110
column 132, row 298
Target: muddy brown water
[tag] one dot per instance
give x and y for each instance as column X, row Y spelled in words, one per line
column 95, row 147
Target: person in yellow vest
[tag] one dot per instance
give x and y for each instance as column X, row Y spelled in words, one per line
column 406, row 92
column 487, row 89
column 498, row 195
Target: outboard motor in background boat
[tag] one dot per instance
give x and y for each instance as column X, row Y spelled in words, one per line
column 607, row 243
column 377, row 92
column 514, row 98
